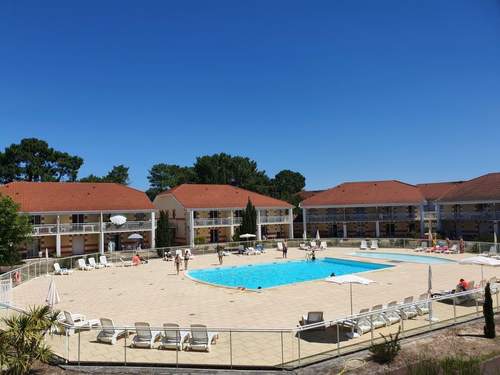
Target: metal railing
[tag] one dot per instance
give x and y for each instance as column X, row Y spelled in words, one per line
column 356, row 217
column 128, row 226
column 208, row 222
column 274, row 219
column 278, row 347
column 470, row 215
column 79, row 228
column 67, row 228
column 42, row 230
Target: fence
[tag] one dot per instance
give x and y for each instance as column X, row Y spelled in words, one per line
column 278, row 348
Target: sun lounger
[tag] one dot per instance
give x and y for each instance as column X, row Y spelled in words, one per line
column 422, row 247
column 374, row 245
column 303, row 246
column 360, row 325
column 363, row 246
column 109, row 334
column 93, row 264
column 378, row 320
column 423, row 304
column 314, row 245
column 393, row 316
column 104, row 261
column 78, row 322
column 408, row 312
column 323, row 245
column 200, row 339
column 172, row 337
column 252, row 251
column 312, row 317
column 125, row 263
column 145, row 337
column 61, row 271
column 452, row 250
column 492, row 252
column 82, row 266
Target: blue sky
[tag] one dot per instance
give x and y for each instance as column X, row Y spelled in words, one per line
column 337, row 90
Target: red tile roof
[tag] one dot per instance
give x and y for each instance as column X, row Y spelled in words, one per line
column 433, row 191
column 483, row 188
column 366, row 193
column 221, row 196
column 76, row 197
column 304, row 194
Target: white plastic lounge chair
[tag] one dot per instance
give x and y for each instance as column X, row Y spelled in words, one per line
column 452, row 250
column 392, row 317
column 61, row 271
column 408, row 312
column 303, row 246
column 82, row 266
column 314, row 245
column 312, row 317
column 200, row 339
column 491, row 253
column 361, row 325
column 323, row 245
column 78, row 322
column 126, row 263
column 173, row 338
column 422, row 247
column 145, row 337
column 364, row 245
column 378, row 320
column 374, row 245
column 104, row 261
column 109, row 334
column 93, row 264
column 423, row 307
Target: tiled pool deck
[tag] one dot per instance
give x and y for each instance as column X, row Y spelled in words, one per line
column 154, row 293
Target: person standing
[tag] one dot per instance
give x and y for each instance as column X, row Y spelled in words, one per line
column 462, row 245
column 220, row 255
column 285, row 249
column 177, row 262
column 187, row 256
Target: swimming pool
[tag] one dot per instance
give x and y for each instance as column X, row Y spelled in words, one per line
column 268, row 275
column 402, row 257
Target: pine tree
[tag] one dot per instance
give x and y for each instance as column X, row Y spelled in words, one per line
column 249, row 221
column 163, row 232
column 489, row 316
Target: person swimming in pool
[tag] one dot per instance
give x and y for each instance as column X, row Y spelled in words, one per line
column 313, row 255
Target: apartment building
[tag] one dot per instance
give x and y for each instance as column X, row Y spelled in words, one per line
column 210, row 213
column 75, row 218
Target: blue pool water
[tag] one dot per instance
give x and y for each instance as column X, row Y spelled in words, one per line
column 267, row 275
column 402, row 257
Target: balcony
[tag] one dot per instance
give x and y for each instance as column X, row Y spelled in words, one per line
column 274, row 220
column 44, row 230
column 212, row 222
column 79, row 228
column 462, row 216
column 361, row 217
column 129, row 226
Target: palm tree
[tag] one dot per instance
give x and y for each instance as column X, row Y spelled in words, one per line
column 22, row 340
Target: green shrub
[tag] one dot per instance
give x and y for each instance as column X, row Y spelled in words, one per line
column 199, row 241
column 489, row 316
column 424, row 366
column 445, row 366
column 386, row 351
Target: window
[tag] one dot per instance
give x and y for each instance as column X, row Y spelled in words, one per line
column 140, row 217
column 214, row 214
column 238, row 213
column 35, row 219
column 78, row 218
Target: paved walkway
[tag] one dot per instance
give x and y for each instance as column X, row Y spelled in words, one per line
column 154, row 293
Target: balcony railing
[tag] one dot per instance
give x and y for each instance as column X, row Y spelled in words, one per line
column 42, row 230
column 67, row 228
column 129, row 226
column 361, row 217
column 485, row 215
column 208, row 222
column 274, row 219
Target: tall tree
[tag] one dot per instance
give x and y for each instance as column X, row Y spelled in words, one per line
column 286, row 184
column 163, row 238
column 14, row 229
column 33, row 160
column 248, row 223
column 165, row 176
column 234, row 170
column 118, row 174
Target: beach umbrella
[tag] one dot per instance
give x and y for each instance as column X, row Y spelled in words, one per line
column 349, row 279
column 135, row 236
column 118, row 219
column 52, row 296
column 317, row 235
column 481, row 261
